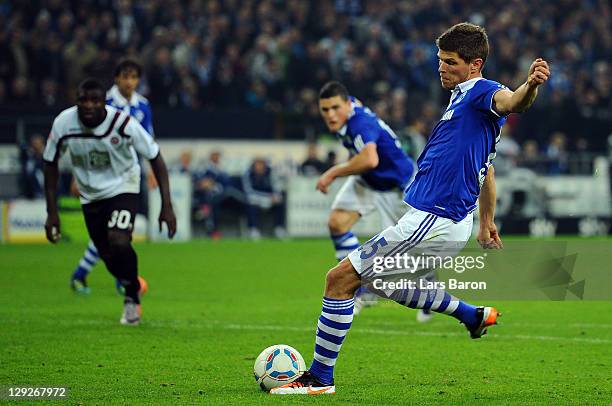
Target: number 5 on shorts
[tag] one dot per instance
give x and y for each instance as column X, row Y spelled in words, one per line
column 120, row 218
column 373, row 245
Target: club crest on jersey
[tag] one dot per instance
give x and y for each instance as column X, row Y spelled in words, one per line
column 114, row 140
column 459, row 98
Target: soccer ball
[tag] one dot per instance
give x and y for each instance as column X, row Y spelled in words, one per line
column 278, row 365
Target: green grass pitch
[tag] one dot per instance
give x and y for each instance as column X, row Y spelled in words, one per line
column 213, row 306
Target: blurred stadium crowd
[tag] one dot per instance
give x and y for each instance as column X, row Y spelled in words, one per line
column 273, row 55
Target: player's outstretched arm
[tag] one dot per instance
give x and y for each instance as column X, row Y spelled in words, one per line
column 52, row 224
column 166, row 215
column 487, row 233
column 506, row 101
column 365, row 160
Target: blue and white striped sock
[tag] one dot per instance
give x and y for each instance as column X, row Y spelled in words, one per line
column 436, row 300
column 334, row 323
column 90, row 258
column 344, row 244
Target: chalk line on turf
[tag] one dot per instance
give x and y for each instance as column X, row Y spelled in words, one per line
column 218, row 324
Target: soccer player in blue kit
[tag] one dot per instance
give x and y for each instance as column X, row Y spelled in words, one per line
column 377, row 172
column 123, row 96
column 454, row 171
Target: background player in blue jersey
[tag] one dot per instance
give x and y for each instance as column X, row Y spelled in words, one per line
column 123, row 96
column 454, row 171
column 378, row 171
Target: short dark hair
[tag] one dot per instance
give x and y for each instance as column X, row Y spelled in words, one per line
column 470, row 41
column 128, row 64
column 90, row 84
column 332, row 89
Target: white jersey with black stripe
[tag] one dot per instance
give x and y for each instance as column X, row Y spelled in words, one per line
column 104, row 160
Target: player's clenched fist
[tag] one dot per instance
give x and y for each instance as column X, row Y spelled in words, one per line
column 539, row 72
column 52, row 228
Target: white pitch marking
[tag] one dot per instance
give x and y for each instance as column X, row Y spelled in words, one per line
column 216, row 324
column 424, row 333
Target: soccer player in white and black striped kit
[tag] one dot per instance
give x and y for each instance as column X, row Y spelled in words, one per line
column 102, row 143
column 123, row 96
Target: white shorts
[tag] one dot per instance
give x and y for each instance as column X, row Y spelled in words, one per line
column 413, row 231
column 356, row 195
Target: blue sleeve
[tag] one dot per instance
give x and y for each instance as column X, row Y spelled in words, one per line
column 483, row 100
column 147, row 121
column 365, row 130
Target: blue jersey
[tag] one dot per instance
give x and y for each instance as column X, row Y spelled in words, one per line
column 455, row 161
column 394, row 168
column 137, row 107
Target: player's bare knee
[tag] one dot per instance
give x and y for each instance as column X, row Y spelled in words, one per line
column 332, row 278
column 341, row 281
column 336, row 224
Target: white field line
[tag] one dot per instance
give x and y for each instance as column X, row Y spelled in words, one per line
column 518, row 324
column 423, row 333
column 591, row 325
column 224, row 325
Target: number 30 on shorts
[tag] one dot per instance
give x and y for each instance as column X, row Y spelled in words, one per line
column 120, row 219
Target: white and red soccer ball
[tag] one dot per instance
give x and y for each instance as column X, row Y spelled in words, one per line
column 278, row 365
